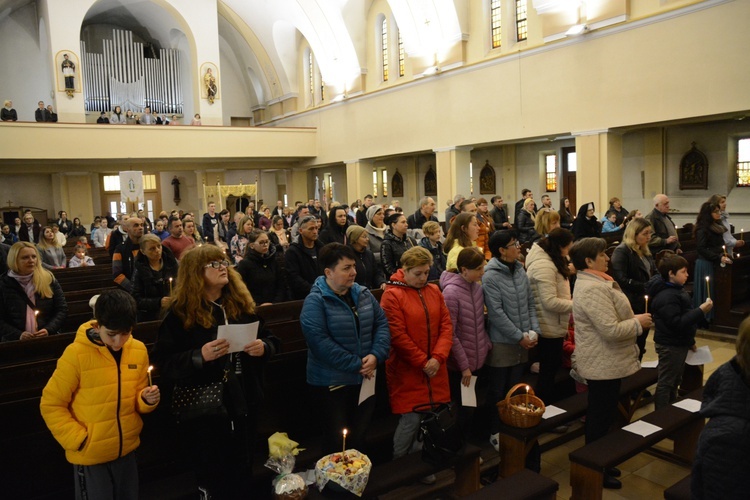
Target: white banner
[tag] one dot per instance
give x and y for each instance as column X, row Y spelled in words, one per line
column 131, row 186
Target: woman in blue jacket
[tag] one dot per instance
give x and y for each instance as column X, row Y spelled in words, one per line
column 347, row 337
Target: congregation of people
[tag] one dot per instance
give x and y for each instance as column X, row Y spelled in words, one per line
column 470, row 298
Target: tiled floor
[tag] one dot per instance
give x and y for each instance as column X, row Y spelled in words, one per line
column 643, row 476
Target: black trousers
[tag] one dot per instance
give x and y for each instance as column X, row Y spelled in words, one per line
column 550, row 361
column 603, row 398
column 338, row 410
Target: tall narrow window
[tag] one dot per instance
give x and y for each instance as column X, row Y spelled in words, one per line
column 743, row 163
column 384, row 48
column 521, row 21
column 322, row 88
column 384, row 176
column 550, row 167
column 471, row 178
column 311, row 73
column 495, row 23
column 374, row 183
column 401, row 56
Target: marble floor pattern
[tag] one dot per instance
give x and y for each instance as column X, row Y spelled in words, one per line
column 643, row 476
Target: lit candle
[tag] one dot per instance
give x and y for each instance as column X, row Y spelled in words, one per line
column 724, row 247
column 646, row 297
column 148, row 372
column 708, row 288
column 170, row 286
column 527, row 396
column 344, row 450
column 36, row 321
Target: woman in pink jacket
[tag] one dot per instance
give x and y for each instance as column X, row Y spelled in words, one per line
column 464, row 297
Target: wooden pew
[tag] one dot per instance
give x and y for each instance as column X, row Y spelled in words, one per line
column 680, row 490
column 731, row 295
column 523, row 485
column 587, row 464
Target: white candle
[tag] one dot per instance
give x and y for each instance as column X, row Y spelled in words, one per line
column 708, row 288
column 170, row 286
column 36, row 321
column 345, row 431
column 148, row 372
column 646, row 297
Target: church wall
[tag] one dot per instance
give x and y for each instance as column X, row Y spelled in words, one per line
column 29, row 190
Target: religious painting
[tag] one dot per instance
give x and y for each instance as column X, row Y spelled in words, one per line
column 430, row 182
column 397, row 185
column 68, row 72
column 487, row 179
column 694, row 170
column 209, row 78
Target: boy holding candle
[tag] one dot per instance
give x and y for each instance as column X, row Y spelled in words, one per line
column 675, row 321
column 92, row 402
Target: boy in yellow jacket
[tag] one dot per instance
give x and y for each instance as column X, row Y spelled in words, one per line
column 93, row 400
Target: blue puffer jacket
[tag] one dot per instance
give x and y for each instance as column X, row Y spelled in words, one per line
column 510, row 302
column 334, row 349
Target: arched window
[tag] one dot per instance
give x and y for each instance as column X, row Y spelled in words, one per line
column 401, row 56
column 522, row 26
column 384, row 48
column 495, row 26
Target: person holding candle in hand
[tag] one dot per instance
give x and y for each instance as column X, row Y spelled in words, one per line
column 153, row 277
column 729, row 240
column 25, row 289
column 709, row 235
column 208, row 293
column 92, row 402
column 676, row 321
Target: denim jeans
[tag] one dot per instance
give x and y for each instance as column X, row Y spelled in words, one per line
column 404, row 439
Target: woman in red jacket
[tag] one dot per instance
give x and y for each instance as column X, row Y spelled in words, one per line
column 421, row 340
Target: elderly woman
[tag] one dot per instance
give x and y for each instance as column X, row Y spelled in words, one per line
column 526, row 221
column 347, row 337
column 723, row 455
column 53, row 255
column 395, row 243
column 376, row 229
column 210, row 293
column 463, row 233
column 512, row 320
column 32, row 304
column 585, row 225
column 633, row 266
column 260, row 270
column 369, row 273
column 421, row 341
column 153, row 278
column 548, row 272
column 606, row 329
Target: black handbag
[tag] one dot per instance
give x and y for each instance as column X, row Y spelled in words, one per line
column 439, row 432
column 190, row 402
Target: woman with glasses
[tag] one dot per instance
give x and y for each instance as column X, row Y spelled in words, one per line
column 210, row 293
column 153, row 278
column 512, row 320
column 260, row 270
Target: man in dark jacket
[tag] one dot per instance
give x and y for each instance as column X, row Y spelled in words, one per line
column 362, row 212
column 525, row 193
column 210, row 220
column 123, row 260
column 4, row 249
column 301, row 259
column 30, row 229
column 453, row 210
column 424, row 214
column 665, row 232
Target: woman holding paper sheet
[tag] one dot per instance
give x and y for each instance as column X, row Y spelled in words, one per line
column 209, row 293
column 347, row 338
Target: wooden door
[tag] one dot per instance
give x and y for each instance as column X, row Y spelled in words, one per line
column 569, row 168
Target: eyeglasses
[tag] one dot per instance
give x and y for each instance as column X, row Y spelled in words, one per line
column 218, row 263
column 263, row 243
column 513, row 245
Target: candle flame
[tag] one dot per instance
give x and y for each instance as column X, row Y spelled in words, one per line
column 36, row 313
column 345, row 432
column 707, row 278
column 150, row 368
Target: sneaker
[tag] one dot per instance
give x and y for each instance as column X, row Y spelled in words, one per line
column 431, row 479
column 611, row 483
column 203, row 493
column 495, row 441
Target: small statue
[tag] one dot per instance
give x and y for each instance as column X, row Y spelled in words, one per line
column 209, row 80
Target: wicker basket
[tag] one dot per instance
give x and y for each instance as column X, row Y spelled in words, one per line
column 514, row 416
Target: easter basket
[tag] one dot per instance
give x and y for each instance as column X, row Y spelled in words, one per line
column 521, row 410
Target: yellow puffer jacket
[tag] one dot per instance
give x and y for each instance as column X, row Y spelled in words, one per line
column 80, row 401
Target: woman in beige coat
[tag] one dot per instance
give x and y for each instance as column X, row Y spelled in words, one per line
column 606, row 329
column 547, row 269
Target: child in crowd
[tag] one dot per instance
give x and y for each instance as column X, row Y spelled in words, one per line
column 59, row 236
column 80, row 259
column 84, row 242
column 93, row 400
column 675, row 321
column 431, row 242
column 610, row 223
column 159, row 229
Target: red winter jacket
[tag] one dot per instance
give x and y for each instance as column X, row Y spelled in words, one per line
column 416, row 317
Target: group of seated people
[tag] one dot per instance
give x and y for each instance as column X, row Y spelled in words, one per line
column 433, row 339
column 42, row 113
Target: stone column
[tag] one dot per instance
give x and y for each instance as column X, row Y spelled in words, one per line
column 452, row 169
column 599, row 175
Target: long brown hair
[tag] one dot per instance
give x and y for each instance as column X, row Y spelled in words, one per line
column 456, row 233
column 43, row 243
column 189, row 302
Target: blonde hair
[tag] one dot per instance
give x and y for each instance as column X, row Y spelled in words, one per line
column 189, row 302
column 430, row 227
column 632, row 230
column 544, row 220
column 527, row 203
column 43, row 244
column 146, row 238
column 415, row 257
column 42, row 278
column 241, row 227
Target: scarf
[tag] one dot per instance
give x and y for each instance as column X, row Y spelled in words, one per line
column 600, row 274
column 380, row 231
column 27, row 284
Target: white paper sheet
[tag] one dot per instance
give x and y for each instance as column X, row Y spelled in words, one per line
column 691, row 405
column 552, row 411
column 469, row 394
column 700, row 357
column 641, row 428
column 238, row 335
column 367, row 389
column 650, row 364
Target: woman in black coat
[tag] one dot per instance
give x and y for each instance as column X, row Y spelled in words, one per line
column 77, row 230
column 632, row 266
column 586, row 225
column 260, row 271
column 25, row 289
column 566, row 218
column 709, row 238
column 335, row 231
column 155, row 266
column 369, row 273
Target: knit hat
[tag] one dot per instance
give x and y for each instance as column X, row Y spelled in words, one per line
column 372, row 211
column 354, row 232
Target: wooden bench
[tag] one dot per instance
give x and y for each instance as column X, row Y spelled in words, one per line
column 680, row 490
column 523, row 485
column 403, row 471
column 587, row 464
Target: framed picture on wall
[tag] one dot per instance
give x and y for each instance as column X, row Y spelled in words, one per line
column 694, row 170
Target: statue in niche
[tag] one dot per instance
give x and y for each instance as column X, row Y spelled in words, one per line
column 487, row 179
column 69, row 73
column 209, row 80
column 430, row 182
column 397, row 185
column 694, row 170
